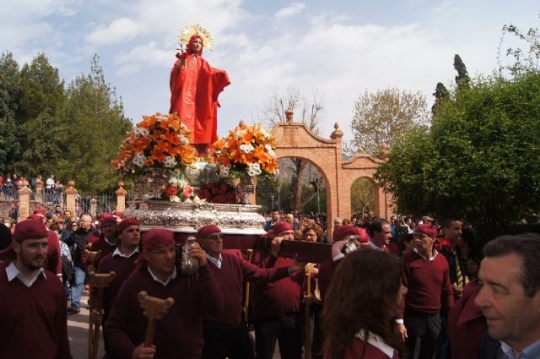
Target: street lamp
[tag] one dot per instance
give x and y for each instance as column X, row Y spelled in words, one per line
column 272, row 202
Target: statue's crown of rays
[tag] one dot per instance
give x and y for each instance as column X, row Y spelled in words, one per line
column 196, row 29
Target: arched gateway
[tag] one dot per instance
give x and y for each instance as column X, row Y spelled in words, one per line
column 295, row 139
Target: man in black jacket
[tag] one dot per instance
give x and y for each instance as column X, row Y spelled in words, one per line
column 77, row 243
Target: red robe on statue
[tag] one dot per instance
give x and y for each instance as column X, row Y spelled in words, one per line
column 195, row 87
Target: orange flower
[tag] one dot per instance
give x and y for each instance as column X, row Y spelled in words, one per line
column 154, row 139
column 247, row 147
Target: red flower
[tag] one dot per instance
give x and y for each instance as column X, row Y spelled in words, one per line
column 171, row 191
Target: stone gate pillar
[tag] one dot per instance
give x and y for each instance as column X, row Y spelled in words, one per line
column 24, row 202
column 121, row 197
column 71, row 193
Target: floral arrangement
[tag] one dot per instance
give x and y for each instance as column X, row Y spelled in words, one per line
column 179, row 189
column 246, row 150
column 218, row 192
column 158, row 141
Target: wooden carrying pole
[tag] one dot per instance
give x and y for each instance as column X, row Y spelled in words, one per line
column 99, row 281
column 308, row 299
column 247, row 289
column 154, row 309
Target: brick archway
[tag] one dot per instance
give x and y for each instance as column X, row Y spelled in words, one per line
column 295, row 139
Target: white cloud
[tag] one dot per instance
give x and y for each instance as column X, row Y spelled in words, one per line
column 290, row 11
column 119, row 30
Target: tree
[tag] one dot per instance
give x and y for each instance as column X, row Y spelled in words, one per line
column 96, row 127
column 479, row 159
column 524, row 61
column 10, row 87
column 362, row 196
column 385, row 117
column 441, row 94
column 42, row 98
column 306, row 110
column 462, row 77
column 42, row 90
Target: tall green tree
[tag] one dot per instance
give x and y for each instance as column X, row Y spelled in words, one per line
column 42, row 98
column 96, row 125
column 462, row 77
column 386, row 116
column 479, row 159
column 441, row 94
column 10, row 88
column 42, row 90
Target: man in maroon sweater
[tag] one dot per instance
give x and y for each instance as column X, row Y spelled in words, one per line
column 179, row 332
column 276, row 305
column 427, row 278
column 226, row 335
column 32, row 301
column 122, row 263
column 107, row 240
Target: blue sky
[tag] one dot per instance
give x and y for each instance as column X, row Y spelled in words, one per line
column 340, row 49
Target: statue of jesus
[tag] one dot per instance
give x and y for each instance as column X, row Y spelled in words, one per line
column 195, row 87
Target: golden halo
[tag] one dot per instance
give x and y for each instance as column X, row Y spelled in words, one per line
column 196, row 29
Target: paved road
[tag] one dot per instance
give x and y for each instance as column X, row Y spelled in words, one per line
column 78, row 333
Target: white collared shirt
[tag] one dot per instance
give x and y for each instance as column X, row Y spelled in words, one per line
column 173, row 275
column 430, row 259
column 118, row 253
column 108, row 242
column 215, row 261
column 13, row 272
column 378, row 343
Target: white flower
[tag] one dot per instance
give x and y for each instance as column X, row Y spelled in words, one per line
column 183, row 140
column 140, row 132
column 162, row 118
column 196, row 199
column 174, row 198
column 224, row 170
column 265, row 133
column 270, row 151
column 247, row 148
column 139, row 159
column 254, row 169
column 182, row 182
column 169, row 162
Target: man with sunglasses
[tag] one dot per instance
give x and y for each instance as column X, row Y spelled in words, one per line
column 226, row 335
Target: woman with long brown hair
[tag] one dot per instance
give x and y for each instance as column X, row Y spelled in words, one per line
column 362, row 302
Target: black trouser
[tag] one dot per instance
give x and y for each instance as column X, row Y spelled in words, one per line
column 232, row 343
column 286, row 330
column 423, row 332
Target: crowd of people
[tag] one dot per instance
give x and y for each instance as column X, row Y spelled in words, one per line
column 389, row 289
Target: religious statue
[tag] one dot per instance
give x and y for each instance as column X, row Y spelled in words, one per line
column 195, row 87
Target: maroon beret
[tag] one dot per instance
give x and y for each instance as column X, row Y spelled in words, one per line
column 207, row 230
column 103, row 215
column 35, row 217
column 364, row 236
column 107, row 220
column 126, row 223
column 157, row 238
column 118, row 214
column 427, row 229
column 29, row 229
column 281, row 226
column 40, row 212
column 341, row 232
